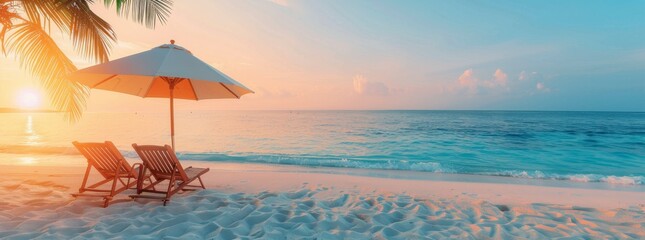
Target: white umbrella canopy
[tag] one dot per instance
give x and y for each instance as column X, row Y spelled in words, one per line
column 167, row 71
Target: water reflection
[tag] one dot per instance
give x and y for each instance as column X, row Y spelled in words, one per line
column 31, row 138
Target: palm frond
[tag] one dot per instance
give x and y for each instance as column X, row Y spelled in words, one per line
column 29, row 40
column 147, row 12
column 119, row 3
column 91, row 35
column 7, row 16
column 45, row 12
column 38, row 53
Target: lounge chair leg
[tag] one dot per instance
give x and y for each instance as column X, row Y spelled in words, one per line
column 153, row 186
column 87, row 173
column 127, row 185
column 200, row 182
column 171, row 182
column 108, row 161
column 116, row 177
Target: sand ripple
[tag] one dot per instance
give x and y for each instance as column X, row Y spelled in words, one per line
column 45, row 211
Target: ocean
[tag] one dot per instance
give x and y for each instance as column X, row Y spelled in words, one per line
column 572, row 146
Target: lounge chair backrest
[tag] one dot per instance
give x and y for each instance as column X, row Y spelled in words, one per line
column 104, row 157
column 160, row 160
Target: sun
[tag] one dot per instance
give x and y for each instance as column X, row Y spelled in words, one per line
column 28, row 99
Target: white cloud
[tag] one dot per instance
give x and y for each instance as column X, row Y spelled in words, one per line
column 499, row 83
column 363, row 86
column 524, row 75
column 468, row 81
column 541, row 87
column 500, row 78
column 533, row 81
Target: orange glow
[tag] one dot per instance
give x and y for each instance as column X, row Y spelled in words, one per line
column 28, row 99
column 27, row 160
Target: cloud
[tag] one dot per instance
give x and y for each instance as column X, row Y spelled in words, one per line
column 468, row 81
column 524, row 75
column 534, row 81
column 541, row 87
column 500, row 78
column 363, row 86
column 499, row 83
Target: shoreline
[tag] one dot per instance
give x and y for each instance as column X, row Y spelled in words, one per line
column 276, row 201
column 437, row 176
column 258, row 177
column 55, row 156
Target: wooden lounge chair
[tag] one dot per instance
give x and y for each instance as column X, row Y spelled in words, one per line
column 115, row 170
column 163, row 165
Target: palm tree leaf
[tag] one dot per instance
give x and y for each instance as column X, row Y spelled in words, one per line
column 7, row 16
column 30, row 42
column 109, row 3
column 44, row 12
column 147, row 12
column 91, row 35
column 37, row 52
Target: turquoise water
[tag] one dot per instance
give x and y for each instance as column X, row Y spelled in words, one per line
column 575, row 146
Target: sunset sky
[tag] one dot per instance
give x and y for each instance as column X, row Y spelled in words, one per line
column 503, row 55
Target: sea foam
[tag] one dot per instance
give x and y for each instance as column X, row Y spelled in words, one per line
column 408, row 165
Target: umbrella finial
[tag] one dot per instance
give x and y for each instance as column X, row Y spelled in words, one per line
column 172, row 41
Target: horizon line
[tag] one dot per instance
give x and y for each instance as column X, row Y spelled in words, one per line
column 324, row 110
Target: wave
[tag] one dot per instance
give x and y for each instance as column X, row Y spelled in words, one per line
column 623, row 180
column 376, row 162
column 367, row 162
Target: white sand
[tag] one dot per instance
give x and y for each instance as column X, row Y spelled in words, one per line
column 253, row 200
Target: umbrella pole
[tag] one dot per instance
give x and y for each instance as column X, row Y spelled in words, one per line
column 172, row 113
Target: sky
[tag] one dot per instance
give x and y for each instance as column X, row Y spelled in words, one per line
column 462, row 55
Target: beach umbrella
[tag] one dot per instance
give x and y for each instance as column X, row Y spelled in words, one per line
column 166, row 71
